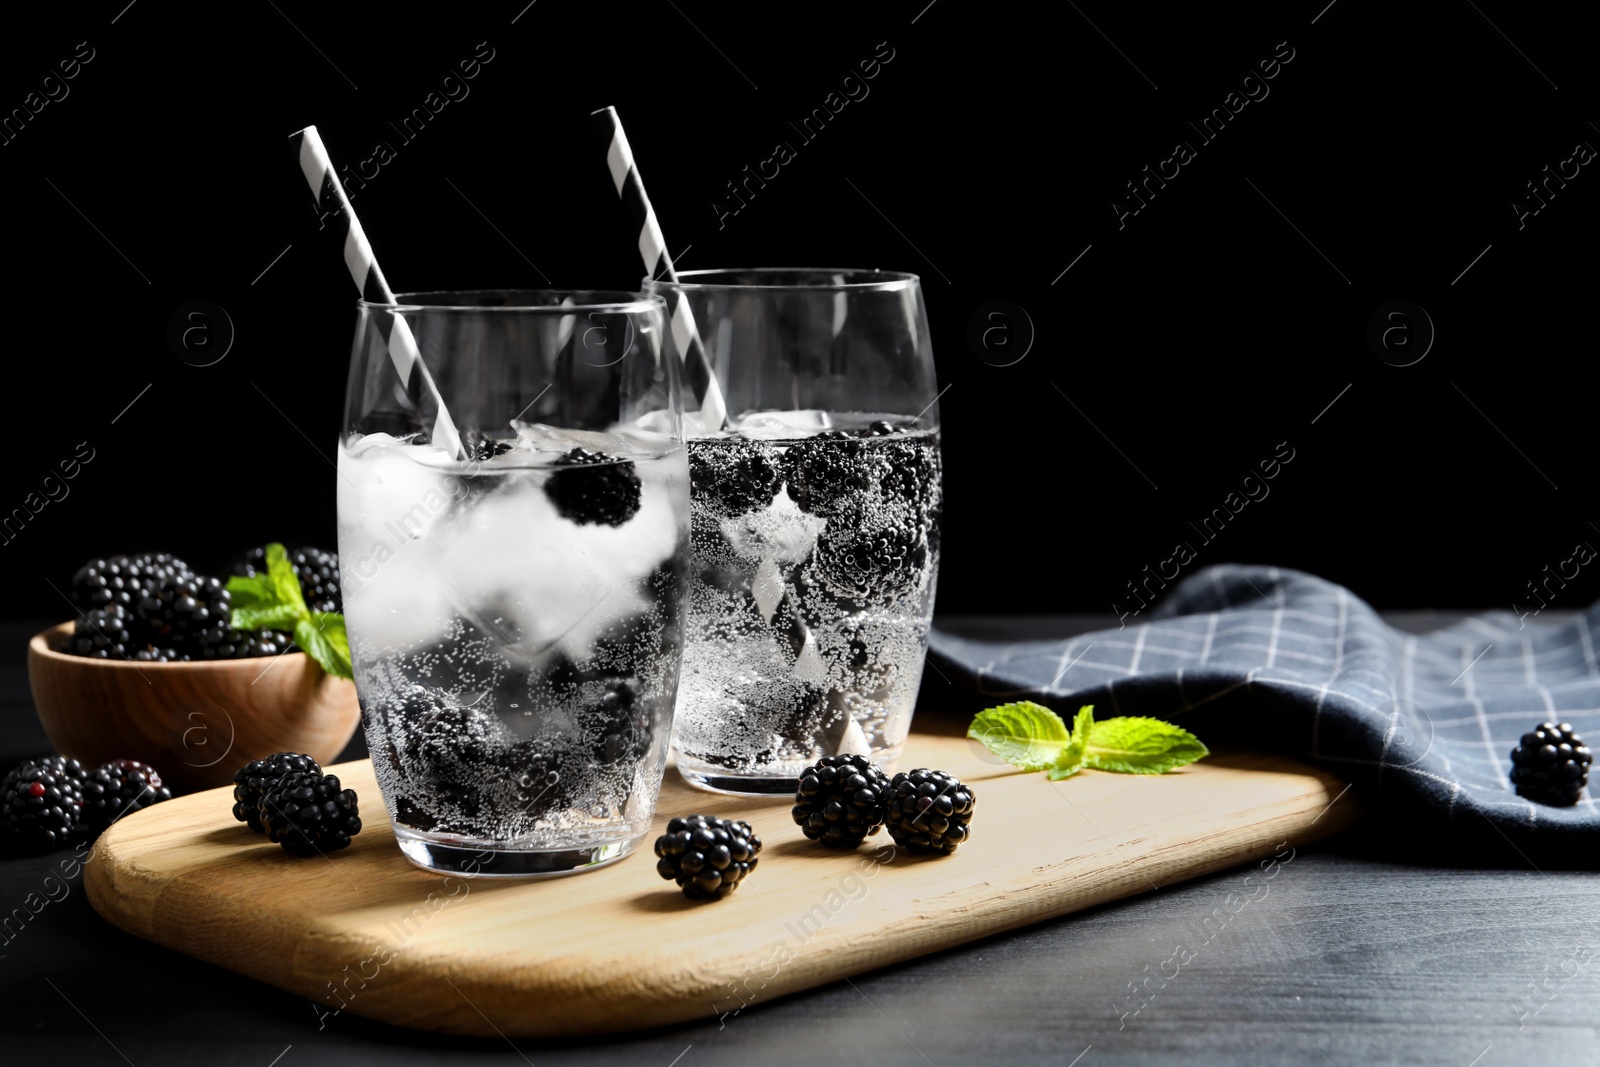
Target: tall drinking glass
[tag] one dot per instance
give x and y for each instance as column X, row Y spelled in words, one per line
column 515, row 612
column 815, row 523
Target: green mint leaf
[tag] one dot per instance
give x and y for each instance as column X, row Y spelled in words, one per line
column 331, row 625
column 324, row 640
column 1072, row 756
column 1139, row 745
column 254, row 591
column 284, row 582
column 1025, row 734
column 265, row 617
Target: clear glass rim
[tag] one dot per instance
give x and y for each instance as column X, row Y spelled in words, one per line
column 860, row 279
column 612, row 300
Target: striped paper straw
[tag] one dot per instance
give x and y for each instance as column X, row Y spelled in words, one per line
column 368, row 276
column 658, row 265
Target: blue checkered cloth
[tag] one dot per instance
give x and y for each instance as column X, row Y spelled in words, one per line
column 1422, row 725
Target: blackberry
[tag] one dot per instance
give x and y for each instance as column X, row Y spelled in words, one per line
column 622, row 724
column 105, row 633
column 1551, row 765
column 446, row 750
column 309, row 814
column 480, row 446
column 123, row 579
column 548, row 777
column 229, row 643
column 183, row 608
column 912, row 475
column 841, row 800
column 708, row 857
column 254, row 779
column 733, row 476
column 827, row 470
column 929, row 811
column 41, row 804
column 594, row 487
column 874, row 565
column 803, row 707
column 162, row 655
column 318, row 571
column 117, row 789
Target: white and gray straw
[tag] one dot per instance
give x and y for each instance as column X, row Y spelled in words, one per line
column 368, row 276
column 658, row 265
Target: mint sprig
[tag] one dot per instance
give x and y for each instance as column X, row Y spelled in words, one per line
column 1034, row 738
column 273, row 601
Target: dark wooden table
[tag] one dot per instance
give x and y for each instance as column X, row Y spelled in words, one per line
column 1366, row 950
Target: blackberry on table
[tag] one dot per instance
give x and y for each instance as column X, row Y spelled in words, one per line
column 1550, row 765
column 106, row 632
column 733, row 476
column 254, row 779
column 827, row 470
column 309, row 813
column 41, row 804
column 594, row 488
column 117, row 789
column 708, row 857
column 841, row 800
column 929, row 811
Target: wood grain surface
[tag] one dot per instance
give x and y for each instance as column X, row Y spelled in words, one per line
column 618, row 948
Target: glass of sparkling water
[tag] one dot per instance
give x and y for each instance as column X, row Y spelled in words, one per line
column 515, row 609
column 815, row 522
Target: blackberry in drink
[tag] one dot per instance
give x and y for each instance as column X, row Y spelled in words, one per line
column 514, row 604
column 815, row 531
column 815, row 543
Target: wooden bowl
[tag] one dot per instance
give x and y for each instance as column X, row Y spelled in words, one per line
column 195, row 723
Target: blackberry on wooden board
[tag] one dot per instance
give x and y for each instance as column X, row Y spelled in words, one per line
column 929, row 811
column 310, row 813
column 708, row 857
column 253, row 780
column 841, row 800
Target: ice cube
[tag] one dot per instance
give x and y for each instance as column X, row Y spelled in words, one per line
column 779, row 425
column 541, row 438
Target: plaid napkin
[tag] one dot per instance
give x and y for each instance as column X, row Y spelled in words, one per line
column 1423, row 726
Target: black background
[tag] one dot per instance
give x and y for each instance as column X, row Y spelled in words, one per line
column 1177, row 352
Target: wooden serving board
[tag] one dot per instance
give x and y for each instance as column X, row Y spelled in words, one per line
column 619, row 948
